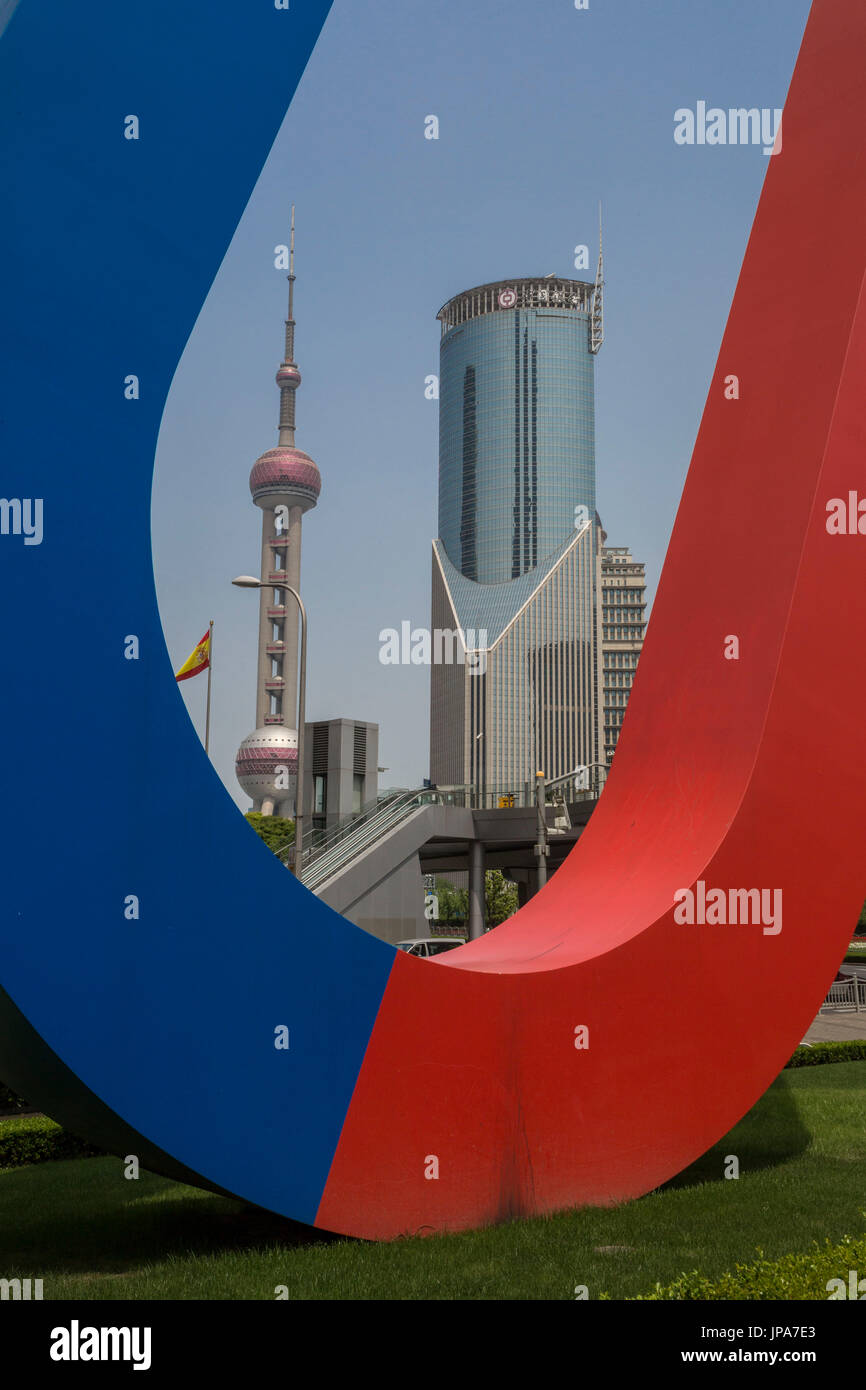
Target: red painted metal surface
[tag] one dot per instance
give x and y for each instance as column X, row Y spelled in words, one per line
column 738, row 774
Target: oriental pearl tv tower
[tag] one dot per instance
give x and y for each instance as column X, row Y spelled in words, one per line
column 285, row 483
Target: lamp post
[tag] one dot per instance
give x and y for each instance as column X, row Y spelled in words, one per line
column 542, row 848
column 248, row 581
column 576, row 775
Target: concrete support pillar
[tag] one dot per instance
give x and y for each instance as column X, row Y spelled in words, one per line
column 266, row 599
column 291, row 625
column 476, row 890
column 289, row 629
column 267, row 806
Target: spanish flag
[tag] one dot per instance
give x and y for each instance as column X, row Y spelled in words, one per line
column 197, row 661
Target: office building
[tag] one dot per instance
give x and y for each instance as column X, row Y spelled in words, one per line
column 622, row 592
column 515, row 565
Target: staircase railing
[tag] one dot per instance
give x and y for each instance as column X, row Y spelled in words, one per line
column 351, row 840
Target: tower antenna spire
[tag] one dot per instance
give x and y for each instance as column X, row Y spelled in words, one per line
column 288, row 376
column 597, row 321
column 290, row 321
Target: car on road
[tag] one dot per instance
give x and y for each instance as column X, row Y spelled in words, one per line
column 428, row 946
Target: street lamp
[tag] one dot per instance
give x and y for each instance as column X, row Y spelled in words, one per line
column 542, row 848
column 248, row 581
column 576, row 776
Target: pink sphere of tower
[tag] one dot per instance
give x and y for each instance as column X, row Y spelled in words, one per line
column 266, row 765
column 288, row 375
column 285, row 474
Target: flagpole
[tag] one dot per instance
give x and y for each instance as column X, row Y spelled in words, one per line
column 209, row 669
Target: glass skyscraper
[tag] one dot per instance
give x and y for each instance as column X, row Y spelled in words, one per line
column 516, row 564
column 516, row 423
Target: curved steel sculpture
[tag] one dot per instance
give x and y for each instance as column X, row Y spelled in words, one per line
column 600, row 1040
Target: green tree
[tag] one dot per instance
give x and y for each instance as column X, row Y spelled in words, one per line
column 277, row 831
column 453, row 903
column 501, row 897
column 500, row 900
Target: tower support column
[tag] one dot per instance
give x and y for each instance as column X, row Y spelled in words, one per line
column 290, row 627
column 266, row 599
column 476, row 890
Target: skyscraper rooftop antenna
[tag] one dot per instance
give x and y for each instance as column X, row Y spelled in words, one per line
column 597, row 319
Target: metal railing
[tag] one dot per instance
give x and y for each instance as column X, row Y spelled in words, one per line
column 327, row 851
column 846, row 996
column 350, row 840
column 319, row 838
column 581, row 785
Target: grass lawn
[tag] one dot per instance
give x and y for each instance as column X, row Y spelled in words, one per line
column 89, row 1233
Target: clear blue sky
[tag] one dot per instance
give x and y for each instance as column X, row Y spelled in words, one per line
column 543, row 111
